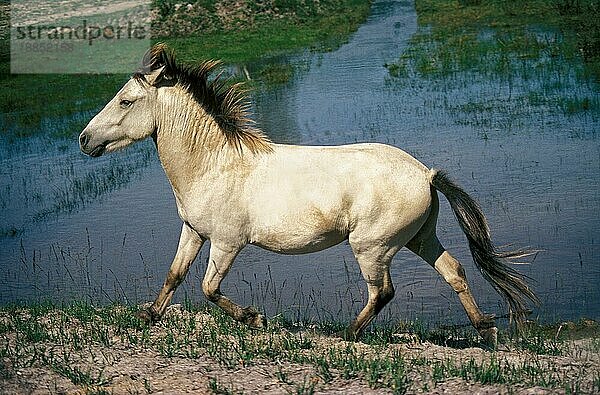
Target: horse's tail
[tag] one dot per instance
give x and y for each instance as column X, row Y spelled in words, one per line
column 492, row 263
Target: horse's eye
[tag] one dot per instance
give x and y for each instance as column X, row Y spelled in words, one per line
column 126, row 103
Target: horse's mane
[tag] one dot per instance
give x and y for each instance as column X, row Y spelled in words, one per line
column 227, row 103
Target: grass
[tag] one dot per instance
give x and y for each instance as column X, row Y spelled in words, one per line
column 63, row 339
column 498, row 37
column 498, row 64
column 27, row 100
column 273, row 39
column 319, row 32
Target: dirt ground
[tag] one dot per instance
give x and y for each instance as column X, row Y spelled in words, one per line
column 142, row 371
column 126, row 368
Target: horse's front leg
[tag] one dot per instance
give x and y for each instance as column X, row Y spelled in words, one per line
column 219, row 263
column 189, row 245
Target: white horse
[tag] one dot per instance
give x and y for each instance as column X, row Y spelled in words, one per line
column 234, row 187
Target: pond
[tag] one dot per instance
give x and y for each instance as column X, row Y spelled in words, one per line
column 104, row 230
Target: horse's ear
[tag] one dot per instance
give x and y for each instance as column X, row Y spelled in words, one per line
column 155, row 75
column 157, row 64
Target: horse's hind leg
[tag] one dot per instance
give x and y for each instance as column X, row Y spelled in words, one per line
column 430, row 249
column 375, row 268
column 219, row 263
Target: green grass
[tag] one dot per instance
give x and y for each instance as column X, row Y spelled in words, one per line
column 62, row 338
column 27, row 100
column 499, row 37
column 495, row 65
column 247, row 45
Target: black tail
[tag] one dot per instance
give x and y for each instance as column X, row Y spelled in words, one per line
column 493, row 264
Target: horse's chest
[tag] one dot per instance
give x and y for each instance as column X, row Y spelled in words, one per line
column 209, row 214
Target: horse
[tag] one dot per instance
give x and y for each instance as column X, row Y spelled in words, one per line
column 235, row 187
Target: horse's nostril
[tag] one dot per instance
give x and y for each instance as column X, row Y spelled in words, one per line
column 83, row 139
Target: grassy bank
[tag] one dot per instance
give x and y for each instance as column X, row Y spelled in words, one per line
column 498, row 37
column 104, row 350
column 502, row 63
column 248, row 31
column 282, row 27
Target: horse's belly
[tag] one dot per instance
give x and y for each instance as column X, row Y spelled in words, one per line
column 291, row 242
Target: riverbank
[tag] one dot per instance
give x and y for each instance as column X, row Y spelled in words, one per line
column 81, row 348
column 545, row 54
column 247, row 31
column 26, row 100
column 499, row 37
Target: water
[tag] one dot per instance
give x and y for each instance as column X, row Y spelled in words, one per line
column 107, row 229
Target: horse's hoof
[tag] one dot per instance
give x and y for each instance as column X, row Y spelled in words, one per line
column 347, row 335
column 148, row 316
column 490, row 337
column 259, row 322
column 252, row 318
column 144, row 316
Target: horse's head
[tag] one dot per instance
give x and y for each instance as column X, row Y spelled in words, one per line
column 127, row 118
column 138, row 110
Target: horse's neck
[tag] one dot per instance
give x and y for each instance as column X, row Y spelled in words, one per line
column 190, row 145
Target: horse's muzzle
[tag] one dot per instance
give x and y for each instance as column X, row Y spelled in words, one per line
column 91, row 150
